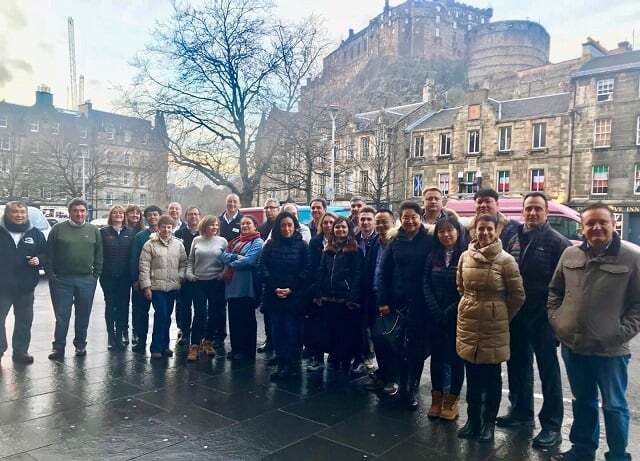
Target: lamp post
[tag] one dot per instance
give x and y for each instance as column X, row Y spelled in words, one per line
column 330, row 189
column 84, row 186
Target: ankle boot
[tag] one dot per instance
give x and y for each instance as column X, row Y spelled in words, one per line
column 436, row 404
column 450, row 407
column 487, row 433
column 471, row 429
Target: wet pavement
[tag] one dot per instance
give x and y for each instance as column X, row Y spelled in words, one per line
column 120, row 406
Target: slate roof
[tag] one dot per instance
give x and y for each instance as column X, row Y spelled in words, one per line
column 443, row 118
column 538, row 106
column 367, row 120
column 610, row 63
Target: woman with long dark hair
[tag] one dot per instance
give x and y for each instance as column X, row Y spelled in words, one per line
column 242, row 289
column 338, row 292
column 441, row 295
column 284, row 265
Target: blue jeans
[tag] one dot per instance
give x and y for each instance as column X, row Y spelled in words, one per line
column 68, row 291
column 162, row 302
column 286, row 329
column 587, row 374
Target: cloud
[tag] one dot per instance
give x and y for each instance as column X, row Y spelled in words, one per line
column 22, row 65
column 12, row 13
column 5, row 75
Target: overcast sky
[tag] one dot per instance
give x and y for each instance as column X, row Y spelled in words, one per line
column 33, row 35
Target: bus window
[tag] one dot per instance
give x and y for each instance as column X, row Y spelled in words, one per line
column 567, row 227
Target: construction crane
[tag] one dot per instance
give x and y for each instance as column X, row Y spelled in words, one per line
column 81, row 90
column 73, row 84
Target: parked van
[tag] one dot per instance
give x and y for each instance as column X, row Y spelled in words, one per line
column 562, row 218
column 304, row 213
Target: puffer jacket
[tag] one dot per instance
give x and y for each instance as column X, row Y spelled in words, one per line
column 440, row 290
column 492, row 292
column 340, row 272
column 162, row 264
column 284, row 263
column 594, row 301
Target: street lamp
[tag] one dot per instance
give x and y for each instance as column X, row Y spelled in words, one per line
column 83, row 154
column 330, row 190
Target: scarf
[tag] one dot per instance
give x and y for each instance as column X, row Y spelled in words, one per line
column 236, row 246
column 16, row 228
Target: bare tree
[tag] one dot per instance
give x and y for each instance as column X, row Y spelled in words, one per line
column 212, row 70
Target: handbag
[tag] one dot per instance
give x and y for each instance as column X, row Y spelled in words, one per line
column 390, row 329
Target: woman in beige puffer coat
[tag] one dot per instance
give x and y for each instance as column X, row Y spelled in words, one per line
column 492, row 292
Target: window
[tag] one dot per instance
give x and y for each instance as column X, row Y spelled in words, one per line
column 364, row 148
column 504, row 142
column 604, row 90
column 481, row 20
column 469, row 180
column 468, row 26
column 25, row 191
column 145, row 138
column 455, row 25
column 443, row 183
column 636, row 180
column 127, row 136
column 126, row 198
column 537, row 180
column 127, row 158
column 364, row 182
column 142, row 181
column 336, row 183
column 470, row 17
column 602, row 133
column 109, row 132
column 109, row 199
column 503, row 181
column 600, row 180
column 437, row 32
column 143, row 200
column 83, row 133
column 126, row 178
column 349, row 149
column 474, row 142
column 638, row 130
column 4, row 164
column 55, row 128
column 437, row 19
column 5, row 143
column 3, row 122
column 539, row 135
column 349, row 183
column 445, row 145
column 417, row 185
column 35, row 126
column 35, row 147
column 418, row 146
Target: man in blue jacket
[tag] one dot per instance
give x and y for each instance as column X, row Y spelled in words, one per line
column 22, row 248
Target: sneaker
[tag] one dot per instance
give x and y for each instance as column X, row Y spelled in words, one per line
column 24, row 359
column 391, row 389
column 207, row 348
column 56, row 355
column 125, row 337
column 315, row 365
column 194, row 351
column 81, row 351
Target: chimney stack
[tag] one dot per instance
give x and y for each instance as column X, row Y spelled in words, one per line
column 44, row 98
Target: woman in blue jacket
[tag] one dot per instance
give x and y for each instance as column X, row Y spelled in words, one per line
column 242, row 289
column 284, row 267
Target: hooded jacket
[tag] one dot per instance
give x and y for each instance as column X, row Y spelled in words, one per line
column 16, row 276
column 492, row 292
column 594, row 302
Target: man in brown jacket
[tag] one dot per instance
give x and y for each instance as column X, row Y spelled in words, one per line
column 594, row 309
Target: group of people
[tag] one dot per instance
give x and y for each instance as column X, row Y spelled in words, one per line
column 355, row 289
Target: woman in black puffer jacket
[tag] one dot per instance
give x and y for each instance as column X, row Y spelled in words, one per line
column 284, row 267
column 338, row 292
column 442, row 297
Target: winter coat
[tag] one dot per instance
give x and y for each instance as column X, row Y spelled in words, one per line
column 537, row 253
column 245, row 281
column 230, row 230
column 162, row 264
column 185, row 234
column 506, row 229
column 440, row 289
column 340, row 272
column 402, row 275
column 134, row 259
column 116, row 251
column 16, row 276
column 492, row 292
column 594, row 301
column 284, row 263
column 368, row 276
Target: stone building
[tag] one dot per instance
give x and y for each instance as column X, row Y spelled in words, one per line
column 49, row 155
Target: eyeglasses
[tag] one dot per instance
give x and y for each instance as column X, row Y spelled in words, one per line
column 271, row 208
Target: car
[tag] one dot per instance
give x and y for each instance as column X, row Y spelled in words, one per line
column 100, row 222
column 304, row 213
column 562, row 218
column 37, row 219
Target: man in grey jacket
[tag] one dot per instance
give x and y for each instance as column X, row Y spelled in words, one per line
column 594, row 309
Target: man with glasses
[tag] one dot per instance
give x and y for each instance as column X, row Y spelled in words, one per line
column 271, row 210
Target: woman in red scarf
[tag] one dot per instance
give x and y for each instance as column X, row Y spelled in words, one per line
column 242, row 289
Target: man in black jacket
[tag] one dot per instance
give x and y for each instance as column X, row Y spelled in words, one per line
column 230, row 219
column 185, row 297
column 22, row 248
column 537, row 247
column 271, row 210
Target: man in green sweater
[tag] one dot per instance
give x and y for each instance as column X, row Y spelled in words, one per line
column 75, row 264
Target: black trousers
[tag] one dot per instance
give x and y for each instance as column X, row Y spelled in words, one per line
column 242, row 325
column 209, row 312
column 184, row 301
column 532, row 334
column 484, row 391
column 116, row 292
column 23, row 312
column 344, row 336
column 140, row 315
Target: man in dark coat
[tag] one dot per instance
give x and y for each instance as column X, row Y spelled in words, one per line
column 22, row 248
column 271, row 210
column 537, row 248
column 230, row 219
column 184, row 301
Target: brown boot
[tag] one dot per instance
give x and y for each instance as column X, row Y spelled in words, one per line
column 450, row 407
column 194, row 351
column 436, row 404
column 207, row 348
